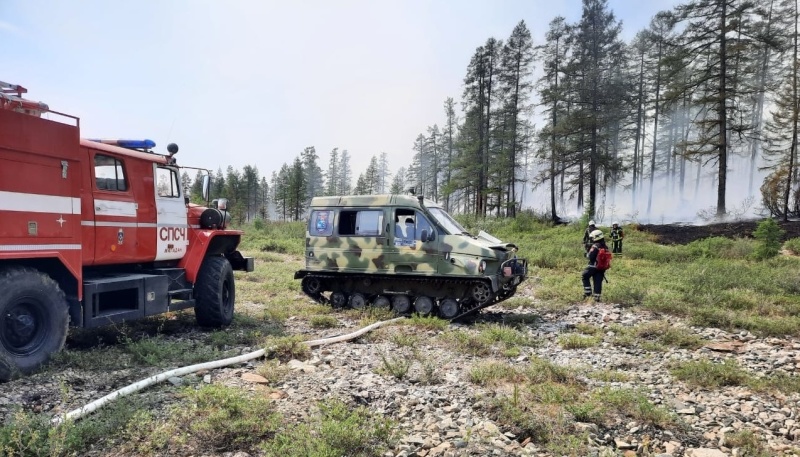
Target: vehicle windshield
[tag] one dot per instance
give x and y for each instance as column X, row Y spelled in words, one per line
column 447, row 222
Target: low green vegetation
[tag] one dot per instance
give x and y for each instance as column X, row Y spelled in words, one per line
column 714, row 374
column 202, row 421
column 336, row 430
column 718, row 282
column 491, row 339
column 544, row 400
column 792, row 245
column 576, row 341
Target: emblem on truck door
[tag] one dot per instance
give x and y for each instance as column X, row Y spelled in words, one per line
column 120, row 236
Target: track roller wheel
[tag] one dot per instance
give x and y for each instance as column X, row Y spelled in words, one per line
column 423, row 305
column 357, row 301
column 507, row 291
column 481, row 293
column 311, row 285
column 338, row 299
column 448, row 308
column 381, row 302
column 401, row 304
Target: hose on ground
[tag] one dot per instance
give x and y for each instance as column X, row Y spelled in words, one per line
column 83, row 411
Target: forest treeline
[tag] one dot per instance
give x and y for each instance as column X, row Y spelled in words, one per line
column 703, row 82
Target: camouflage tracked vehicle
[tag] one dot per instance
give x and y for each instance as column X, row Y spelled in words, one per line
column 406, row 253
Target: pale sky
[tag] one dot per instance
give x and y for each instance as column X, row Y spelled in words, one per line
column 255, row 82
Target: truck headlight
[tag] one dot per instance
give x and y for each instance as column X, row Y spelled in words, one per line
column 482, row 266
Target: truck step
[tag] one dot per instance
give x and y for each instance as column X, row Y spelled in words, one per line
column 181, row 293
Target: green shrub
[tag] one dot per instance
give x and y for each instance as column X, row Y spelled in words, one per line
column 769, row 235
column 709, row 247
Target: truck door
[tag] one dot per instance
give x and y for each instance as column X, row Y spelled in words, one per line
column 409, row 253
column 115, row 211
column 171, row 237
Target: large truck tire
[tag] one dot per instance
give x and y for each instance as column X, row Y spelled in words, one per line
column 34, row 318
column 214, row 293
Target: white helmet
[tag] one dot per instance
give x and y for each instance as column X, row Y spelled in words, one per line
column 615, row 224
column 596, row 235
column 591, row 222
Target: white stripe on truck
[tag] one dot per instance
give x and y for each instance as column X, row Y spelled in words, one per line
column 39, row 203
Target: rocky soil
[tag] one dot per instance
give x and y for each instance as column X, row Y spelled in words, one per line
column 450, row 417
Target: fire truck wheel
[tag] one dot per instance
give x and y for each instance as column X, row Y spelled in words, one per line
column 33, row 321
column 214, row 292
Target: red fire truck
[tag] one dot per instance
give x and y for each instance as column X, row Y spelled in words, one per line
column 96, row 232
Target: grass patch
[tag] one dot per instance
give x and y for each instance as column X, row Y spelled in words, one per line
column 493, row 373
column 705, row 373
column 577, row 341
column 667, row 334
column 288, row 348
column 338, row 430
column 632, row 404
column 208, row 419
column 792, row 245
column 396, row 367
column 466, row 343
column 426, row 322
column 405, row 339
column 749, row 444
column 325, row 321
column 29, row 434
column 273, row 371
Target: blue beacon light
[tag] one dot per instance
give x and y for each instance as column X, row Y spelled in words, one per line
column 130, row 144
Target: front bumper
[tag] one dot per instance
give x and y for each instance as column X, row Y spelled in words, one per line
column 241, row 263
column 515, row 270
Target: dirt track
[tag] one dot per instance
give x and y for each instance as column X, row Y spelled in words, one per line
column 683, row 234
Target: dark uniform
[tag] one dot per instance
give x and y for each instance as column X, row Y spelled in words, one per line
column 616, row 239
column 587, row 242
column 592, row 273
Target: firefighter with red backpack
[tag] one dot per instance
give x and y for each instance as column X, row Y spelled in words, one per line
column 599, row 261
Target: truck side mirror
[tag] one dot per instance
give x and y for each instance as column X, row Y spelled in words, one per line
column 425, row 236
column 206, row 186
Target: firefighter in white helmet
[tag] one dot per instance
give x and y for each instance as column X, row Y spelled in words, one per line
column 616, row 238
column 599, row 262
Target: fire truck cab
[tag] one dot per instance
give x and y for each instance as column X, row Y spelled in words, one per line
column 95, row 232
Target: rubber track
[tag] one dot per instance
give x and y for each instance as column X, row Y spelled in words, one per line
column 319, row 298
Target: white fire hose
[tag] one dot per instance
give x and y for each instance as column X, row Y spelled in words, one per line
column 147, row 382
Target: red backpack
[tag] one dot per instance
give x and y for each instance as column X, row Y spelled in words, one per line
column 604, row 257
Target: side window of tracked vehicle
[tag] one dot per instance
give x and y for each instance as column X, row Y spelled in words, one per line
column 363, row 223
column 167, row 183
column 109, row 173
column 422, row 225
column 320, row 223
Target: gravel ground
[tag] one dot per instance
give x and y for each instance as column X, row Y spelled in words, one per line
column 439, row 412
